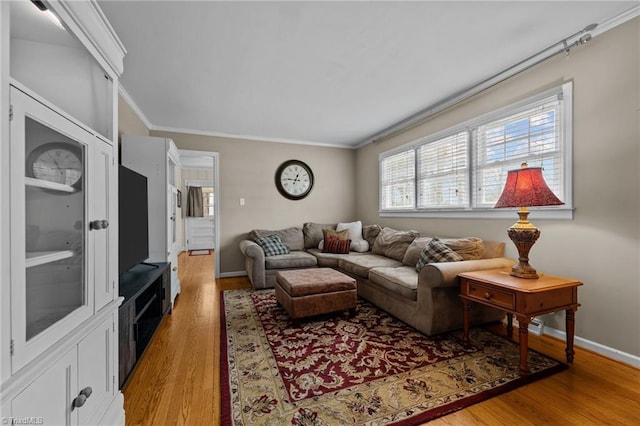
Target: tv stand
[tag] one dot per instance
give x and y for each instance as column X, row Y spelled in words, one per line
column 147, row 298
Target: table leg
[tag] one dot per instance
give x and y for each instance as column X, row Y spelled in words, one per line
column 465, row 324
column 510, row 326
column 523, row 334
column 570, row 326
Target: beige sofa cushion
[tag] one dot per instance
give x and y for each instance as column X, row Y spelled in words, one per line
column 493, row 249
column 360, row 265
column 412, row 254
column 370, row 233
column 470, row 248
column 293, row 259
column 291, row 237
column 313, row 233
column 392, row 243
column 330, row 260
column 402, row 280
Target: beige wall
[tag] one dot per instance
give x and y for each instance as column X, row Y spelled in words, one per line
column 128, row 121
column 247, row 170
column 601, row 245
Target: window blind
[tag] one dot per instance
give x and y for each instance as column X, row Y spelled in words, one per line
column 532, row 136
column 398, row 180
column 443, row 172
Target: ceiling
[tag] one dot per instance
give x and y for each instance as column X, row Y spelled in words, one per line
column 327, row 73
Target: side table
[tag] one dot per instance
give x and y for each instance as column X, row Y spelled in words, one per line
column 524, row 298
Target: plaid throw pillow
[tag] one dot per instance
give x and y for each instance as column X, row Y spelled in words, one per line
column 272, row 245
column 436, row 251
column 336, row 245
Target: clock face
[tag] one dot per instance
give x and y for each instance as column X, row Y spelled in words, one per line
column 294, row 179
column 57, row 162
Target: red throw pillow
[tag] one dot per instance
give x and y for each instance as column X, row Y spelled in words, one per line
column 336, row 245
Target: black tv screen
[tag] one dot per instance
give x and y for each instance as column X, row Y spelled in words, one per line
column 133, row 216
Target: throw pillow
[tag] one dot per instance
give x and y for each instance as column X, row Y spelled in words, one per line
column 393, row 244
column 336, row 245
column 412, row 254
column 313, row 233
column 328, row 233
column 272, row 245
column 370, row 233
column 470, row 248
column 436, row 251
column 358, row 243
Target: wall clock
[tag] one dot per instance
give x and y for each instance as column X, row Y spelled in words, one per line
column 59, row 162
column 294, row 179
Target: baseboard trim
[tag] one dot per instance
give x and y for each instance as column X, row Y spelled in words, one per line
column 596, row 347
column 233, row 274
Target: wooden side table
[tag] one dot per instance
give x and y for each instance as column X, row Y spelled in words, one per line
column 524, row 298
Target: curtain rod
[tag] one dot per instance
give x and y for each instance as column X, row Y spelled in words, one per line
column 575, row 39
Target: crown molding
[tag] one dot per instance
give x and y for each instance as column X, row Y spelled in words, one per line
column 246, row 137
column 134, row 106
column 617, row 20
column 92, row 24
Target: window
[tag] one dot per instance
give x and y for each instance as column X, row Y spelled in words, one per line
column 207, row 201
column 461, row 172
column 398, row 180
column 443, row 172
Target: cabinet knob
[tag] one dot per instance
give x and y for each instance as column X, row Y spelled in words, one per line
column 82, row 397
column 487, row 295
column 98, row 224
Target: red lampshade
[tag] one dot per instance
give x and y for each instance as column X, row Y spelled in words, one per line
column 526, row 187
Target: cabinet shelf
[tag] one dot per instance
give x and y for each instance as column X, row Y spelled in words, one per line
column 39, row 183
column 35, row 258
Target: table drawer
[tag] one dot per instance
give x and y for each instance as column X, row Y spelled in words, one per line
column 497, row 298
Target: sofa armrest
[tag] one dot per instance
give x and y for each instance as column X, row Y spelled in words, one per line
column 445, row 274
column 254, row 263
column 253, row 250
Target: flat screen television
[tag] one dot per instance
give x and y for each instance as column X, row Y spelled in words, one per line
column 133, row 217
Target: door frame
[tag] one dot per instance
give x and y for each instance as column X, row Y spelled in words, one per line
column 216, row 200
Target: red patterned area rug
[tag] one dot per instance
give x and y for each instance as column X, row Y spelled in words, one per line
column 371, row 369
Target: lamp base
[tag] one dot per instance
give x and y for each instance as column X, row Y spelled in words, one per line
column 524, row 235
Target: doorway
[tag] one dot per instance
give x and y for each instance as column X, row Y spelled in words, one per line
column 200, row 169
column 199, row 231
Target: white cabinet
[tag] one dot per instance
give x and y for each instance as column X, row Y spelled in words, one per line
column 158, row 160
column 58, row 222
column 77, row 391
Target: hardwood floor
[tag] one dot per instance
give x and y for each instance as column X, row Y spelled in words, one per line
column 177, row 380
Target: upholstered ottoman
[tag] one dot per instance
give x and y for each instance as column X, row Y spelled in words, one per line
column 315, row 291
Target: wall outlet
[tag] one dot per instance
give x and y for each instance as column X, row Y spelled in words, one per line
column 536, row 327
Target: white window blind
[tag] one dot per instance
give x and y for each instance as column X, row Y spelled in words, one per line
column 443, row 172
column 460, row 172
column 532, row 136
column 397, row 173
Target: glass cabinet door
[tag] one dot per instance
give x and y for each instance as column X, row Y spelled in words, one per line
column 55, row 226
column 50, row 292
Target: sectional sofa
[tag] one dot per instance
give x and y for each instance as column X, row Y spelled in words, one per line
column 386, row 272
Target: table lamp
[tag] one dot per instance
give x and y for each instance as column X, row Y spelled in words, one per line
column 525, row 187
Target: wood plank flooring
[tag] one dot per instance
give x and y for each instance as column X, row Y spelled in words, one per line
column 177, row 380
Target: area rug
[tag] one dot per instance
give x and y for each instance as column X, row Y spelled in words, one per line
column 199, row 252
column 370, row 369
